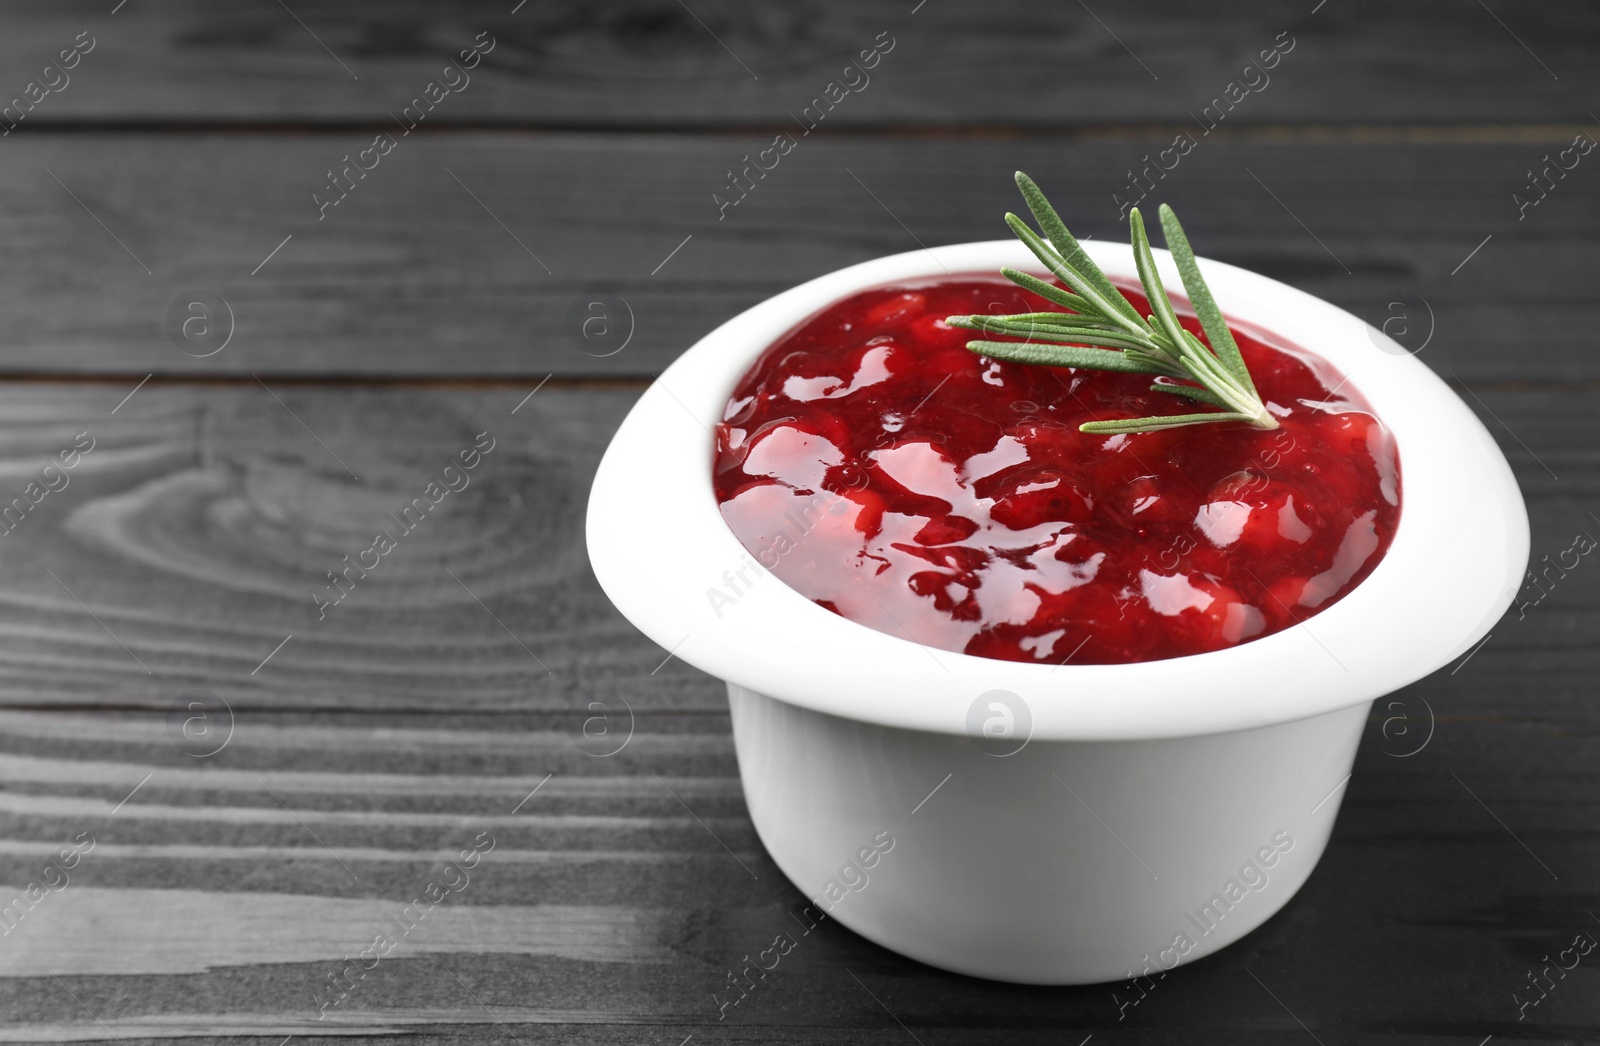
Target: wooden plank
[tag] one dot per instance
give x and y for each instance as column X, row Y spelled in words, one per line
column 265, row 527
column 224, row 890
column 197, row 537
column 436, row 262
column 222, row 893
column 718, row 63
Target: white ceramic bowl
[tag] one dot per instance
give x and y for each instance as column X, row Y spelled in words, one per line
column 1155, row 811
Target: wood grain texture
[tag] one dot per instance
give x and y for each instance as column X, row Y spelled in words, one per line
column 444, row 699
column 205, row 521
column 193, row 538
column 222, row 892
column 716, row 63
column 218, row 899
column 436, row 262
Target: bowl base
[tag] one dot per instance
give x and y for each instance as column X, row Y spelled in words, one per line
column 1063, row 862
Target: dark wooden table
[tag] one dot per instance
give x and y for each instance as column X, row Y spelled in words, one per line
column 183, row 154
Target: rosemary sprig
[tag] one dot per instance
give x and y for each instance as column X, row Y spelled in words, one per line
column 1105, row 332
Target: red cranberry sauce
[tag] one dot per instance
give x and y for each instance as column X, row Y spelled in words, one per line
column 878, row 467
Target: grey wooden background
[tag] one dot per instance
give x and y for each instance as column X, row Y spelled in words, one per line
column 440, row 699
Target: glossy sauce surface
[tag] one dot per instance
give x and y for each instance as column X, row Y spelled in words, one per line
column 878, row 467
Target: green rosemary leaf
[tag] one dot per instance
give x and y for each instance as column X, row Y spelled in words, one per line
column 1213, row 374
column 1200, row 348
column 1166, row 421
column 1063, row 319
column 1066, row 273
column 1071, row 251
column 1072, row 335
column 1160, row 339
column 1205, row 306
column 1044, row 332
column 1050, row 292
column 1056, row 355
column 1162, row 364
column 1155, row 344
column 1160, row 305
column 1194, row 392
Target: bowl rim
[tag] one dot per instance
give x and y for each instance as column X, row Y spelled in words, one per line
column 658, row 546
